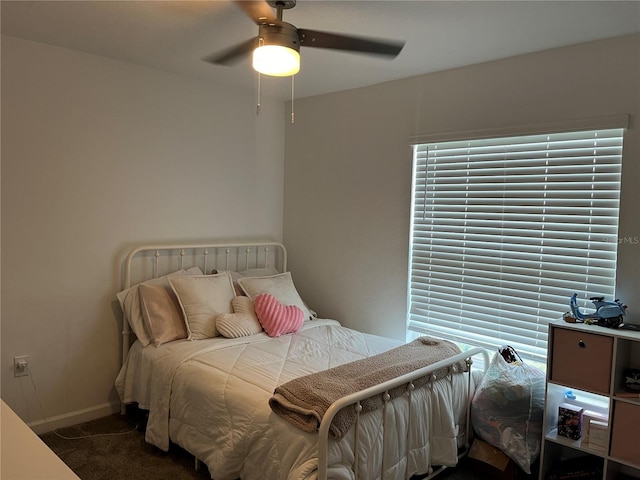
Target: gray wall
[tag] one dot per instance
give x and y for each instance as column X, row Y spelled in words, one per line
column 99, row 156
column 348, row 167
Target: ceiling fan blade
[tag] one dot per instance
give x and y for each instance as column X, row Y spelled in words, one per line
column 314, row 38
column 259, row 11
column 233, row 54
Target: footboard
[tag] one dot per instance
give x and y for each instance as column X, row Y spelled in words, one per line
column 407, row 380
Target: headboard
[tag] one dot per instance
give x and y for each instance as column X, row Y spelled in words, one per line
column 151, row 261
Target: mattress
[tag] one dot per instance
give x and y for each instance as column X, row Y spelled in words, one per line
column 211, row 398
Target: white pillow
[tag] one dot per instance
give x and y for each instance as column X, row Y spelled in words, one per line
column 131, row 307
column 280, row 286
column 259, row 272
column 252, row 272
column 202, row 298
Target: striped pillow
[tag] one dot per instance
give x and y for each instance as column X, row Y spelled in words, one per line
column 234, row 325
column 276, row 318
column 243, row 322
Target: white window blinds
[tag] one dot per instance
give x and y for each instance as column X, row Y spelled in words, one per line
column 505, row 230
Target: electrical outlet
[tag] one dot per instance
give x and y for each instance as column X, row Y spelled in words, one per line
column 21, row 366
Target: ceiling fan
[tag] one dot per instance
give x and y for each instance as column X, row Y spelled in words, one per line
column 276, row 49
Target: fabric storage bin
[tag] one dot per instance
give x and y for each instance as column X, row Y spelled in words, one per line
column 582, row 360
column 625, row 435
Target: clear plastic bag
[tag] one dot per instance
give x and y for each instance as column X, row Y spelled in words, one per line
column 507, row 408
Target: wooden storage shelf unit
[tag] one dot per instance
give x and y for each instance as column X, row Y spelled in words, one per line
column 590, row 361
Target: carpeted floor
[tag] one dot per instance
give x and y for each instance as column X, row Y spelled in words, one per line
column 129, row 457
column 120, row 457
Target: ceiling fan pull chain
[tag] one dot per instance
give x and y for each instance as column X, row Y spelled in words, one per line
column 258, row 104
column 293, row 117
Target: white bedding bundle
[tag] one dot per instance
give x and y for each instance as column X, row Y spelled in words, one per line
column 208, row 359
column 211, row 397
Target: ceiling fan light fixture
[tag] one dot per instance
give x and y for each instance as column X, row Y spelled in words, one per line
column 277, row 51
column 276, row 60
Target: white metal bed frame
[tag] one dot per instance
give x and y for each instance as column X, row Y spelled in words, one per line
column 384, row 388
column 219, row 256
column 243, row 256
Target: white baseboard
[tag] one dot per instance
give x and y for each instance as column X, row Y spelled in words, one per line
column 73, row 418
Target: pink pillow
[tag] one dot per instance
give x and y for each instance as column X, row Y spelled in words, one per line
column 275, row 318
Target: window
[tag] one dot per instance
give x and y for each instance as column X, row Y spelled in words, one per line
column 505, row 230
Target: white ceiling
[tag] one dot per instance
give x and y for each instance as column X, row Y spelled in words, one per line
column 175, row 35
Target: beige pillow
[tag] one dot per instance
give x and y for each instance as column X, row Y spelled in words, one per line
column 243, row 322
column 131, row 306
column 234, row 325
column 161, row 313
column 280, row 286
column 202, row 298
column 244, row 305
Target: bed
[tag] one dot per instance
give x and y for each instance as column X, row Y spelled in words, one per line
column 218, row 346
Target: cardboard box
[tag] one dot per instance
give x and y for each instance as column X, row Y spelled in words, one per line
column 598, row 434
column 570, row 421
column 587, row 417
column 491, row 463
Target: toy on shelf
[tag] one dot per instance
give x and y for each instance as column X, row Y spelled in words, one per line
column 608, row 314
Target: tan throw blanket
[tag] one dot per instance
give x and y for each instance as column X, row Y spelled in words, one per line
column 304, row 400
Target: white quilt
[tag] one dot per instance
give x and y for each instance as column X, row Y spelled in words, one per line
column 211, row 398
